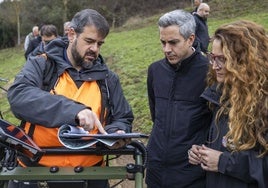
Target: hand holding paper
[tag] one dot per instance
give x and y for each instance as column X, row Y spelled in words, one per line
column 88, row 119
column 77, row 138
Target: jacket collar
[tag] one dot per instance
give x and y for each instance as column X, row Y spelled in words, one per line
column 183, row 63
column 212, row 94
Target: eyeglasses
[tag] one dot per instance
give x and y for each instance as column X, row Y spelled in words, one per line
column 218, row 59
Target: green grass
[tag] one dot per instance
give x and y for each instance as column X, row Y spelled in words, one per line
column 128, row 51
column 11, row 61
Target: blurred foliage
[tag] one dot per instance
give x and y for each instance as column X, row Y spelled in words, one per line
column 38, row 12
column 28, row 13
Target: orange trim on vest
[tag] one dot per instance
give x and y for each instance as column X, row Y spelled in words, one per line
column 88, row 94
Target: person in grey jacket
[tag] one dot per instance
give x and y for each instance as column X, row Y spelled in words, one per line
column 82, row 92
column 180, row 117
column 236, row 155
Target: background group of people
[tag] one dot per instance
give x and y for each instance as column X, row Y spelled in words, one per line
column 36, row 40
column 209, row 110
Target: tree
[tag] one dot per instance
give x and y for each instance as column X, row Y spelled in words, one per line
column 24, row 14
column 16, row 6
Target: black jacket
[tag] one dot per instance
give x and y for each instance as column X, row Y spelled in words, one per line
column 238, row 169
column 30, row 102
column 201, row 33
column 181, row 118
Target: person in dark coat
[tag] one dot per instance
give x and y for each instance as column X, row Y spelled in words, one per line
column 237, row 152
column 180, row 117
column 201, row 32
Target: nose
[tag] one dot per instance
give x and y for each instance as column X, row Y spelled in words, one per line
column 94, row 47
column 215, row 65
column 166, row 48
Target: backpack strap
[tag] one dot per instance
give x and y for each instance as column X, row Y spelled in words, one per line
column 50, row 75
column 105, row 101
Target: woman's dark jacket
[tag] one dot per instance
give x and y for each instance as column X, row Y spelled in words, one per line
column 238, row 169
column 180, row 119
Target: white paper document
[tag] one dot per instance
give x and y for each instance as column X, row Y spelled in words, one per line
column 77, row 138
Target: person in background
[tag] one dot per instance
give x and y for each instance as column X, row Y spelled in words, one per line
column 236, row 155
column 83, row 92
column 196, row 5
column 180, row 117
column 33, row 44
column 201, row 32
column 34, row 34
column 66, row 28
column 48, row 33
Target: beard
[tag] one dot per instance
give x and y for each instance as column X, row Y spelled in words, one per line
column 81, row 61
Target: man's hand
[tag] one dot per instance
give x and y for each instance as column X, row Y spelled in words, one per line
column 88, row 119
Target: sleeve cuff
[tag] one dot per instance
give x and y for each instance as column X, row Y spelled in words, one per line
column 223, row 160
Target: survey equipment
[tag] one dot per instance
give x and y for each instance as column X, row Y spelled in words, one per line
column 14, row 142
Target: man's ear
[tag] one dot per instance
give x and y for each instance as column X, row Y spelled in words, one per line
column 191, row 39
column 71, row 35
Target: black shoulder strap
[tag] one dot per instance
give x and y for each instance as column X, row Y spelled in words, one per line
column 50, row 75
column 106, row 105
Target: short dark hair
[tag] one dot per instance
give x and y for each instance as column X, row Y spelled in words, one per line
column 48, row 30
column 88, row 17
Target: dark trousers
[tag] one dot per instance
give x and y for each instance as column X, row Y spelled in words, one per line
column 59, row 184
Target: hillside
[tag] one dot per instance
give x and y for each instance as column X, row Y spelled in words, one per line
column 130, row 49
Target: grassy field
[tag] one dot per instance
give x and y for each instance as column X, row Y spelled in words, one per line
column 128, row 51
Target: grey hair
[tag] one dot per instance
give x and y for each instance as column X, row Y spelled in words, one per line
column 181, row 18
column 90, row 17
column 66, row 24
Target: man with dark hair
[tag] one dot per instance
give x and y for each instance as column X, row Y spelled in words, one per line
column 82, row 92
column 48, row 33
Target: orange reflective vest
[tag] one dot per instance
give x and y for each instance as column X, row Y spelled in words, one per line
column 88, row 94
